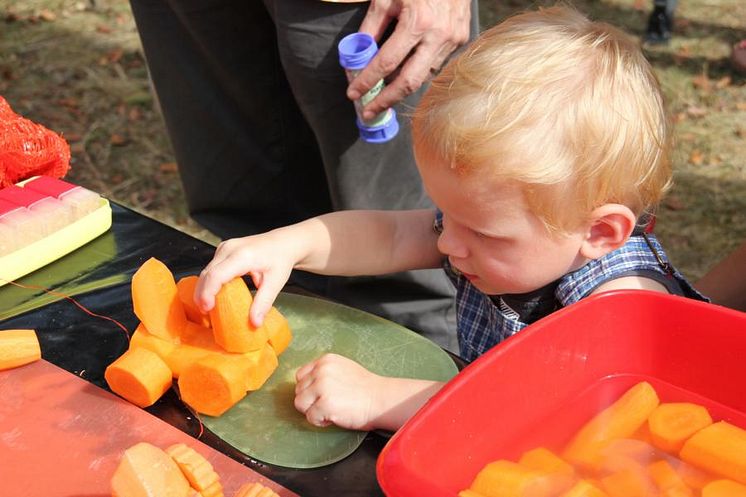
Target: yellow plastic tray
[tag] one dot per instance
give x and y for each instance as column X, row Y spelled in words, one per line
column 40, row 253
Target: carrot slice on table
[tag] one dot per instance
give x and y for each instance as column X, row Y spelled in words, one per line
column 545, row 460
column 255, row 490
column 672, row 423
column 185, row 287
column 620, row 420
column 278, row 330
column 147, row 471
column 196, row 468
column 139, row 376
column 156, row 302
column 213, row 384
column 724, row 488
column 18, row 347
column 504, row 478
column 230, row 319
column 720, row 448
column 584, row 488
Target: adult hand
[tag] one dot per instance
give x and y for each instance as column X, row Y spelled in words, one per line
column 427, row 31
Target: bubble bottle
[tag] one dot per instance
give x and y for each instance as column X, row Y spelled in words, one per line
column 355, row 51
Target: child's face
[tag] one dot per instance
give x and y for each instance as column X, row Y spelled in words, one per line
column 492, row 238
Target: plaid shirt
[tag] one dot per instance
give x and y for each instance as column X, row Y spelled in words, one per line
column 482, row 323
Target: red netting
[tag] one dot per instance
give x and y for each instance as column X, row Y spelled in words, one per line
column 29, row 149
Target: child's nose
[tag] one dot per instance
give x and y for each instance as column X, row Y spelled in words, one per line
column 450, row 244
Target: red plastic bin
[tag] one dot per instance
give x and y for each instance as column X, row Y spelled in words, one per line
column 538, row 387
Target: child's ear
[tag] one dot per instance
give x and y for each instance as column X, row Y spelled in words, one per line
column 610, row 227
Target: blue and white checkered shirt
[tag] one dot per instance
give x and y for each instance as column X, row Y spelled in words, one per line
column 483, row 321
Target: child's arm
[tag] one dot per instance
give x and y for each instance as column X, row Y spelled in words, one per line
column 344, row 243
column 337, row 390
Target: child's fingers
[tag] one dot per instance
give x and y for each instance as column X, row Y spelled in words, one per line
column 270, row 286
column 317, row 415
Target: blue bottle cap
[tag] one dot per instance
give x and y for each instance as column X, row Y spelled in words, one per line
column 382, row 133
column 356, row 50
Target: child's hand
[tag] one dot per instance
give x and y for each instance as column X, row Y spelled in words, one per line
column 263, row 257
column 337, row 390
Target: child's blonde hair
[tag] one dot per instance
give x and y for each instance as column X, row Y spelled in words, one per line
column 569, row 108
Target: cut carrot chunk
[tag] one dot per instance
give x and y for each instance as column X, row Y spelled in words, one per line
column 720, row 449
column 230, row 319
column 724, row 488
column 195, row 467
column 197, row 343
column 156, row 302
column 213, row 384
column 693, row 476
column 630, row 482
column 504, row 478
column 469, row 493
column 255, row 490
column 620, row 420
column 139, row 376
column 584, row 488
column 143, row 339
column 673, row 422
column 667, row 479
column 185, row 287
column 543, row 459
column 623, row 453
column 147, row 471
column 18, row 347
column 278, row 330
column 261, row 364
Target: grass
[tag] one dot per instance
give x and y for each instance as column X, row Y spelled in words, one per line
column 77, row 67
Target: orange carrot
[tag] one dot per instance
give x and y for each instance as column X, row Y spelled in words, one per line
column 197, row 343
column 213, row 384
column 139, row 376
column 469, row 493
column 504, row 478
column 156, row 302
column 255, row 490
column 673, row 422
column 185, row 287
column 18, row 347
column 668, row 480
column 230, row 319
column 724, row 488
column 261, row 364
column 278, row 330
column 195, row 467
column 720, row 448
column 623, row 453
column 584, row 488
column 620, row 420
column 147, row 471
column 545, row 460
column 693, row 476
column 143, row 339
column 630, row 482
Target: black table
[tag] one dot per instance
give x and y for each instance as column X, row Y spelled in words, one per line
column 98, row 276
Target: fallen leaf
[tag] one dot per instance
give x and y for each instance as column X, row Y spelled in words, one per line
column 741, row 106
column 679, row 117
column 134, row 114
column 103, row 29
column 169, row 167
column 696, row 157
column 741, row 132
column 118, row 140
column 702, row 82
column 47, row 15
column 115, row 55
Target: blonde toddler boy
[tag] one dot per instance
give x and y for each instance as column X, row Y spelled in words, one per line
column 542, row 145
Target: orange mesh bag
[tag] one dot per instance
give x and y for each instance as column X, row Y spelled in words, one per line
column 29, row 149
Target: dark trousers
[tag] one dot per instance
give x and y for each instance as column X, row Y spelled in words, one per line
column 254, row 101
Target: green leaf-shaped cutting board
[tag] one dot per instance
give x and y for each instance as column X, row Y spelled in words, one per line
column 266, row 426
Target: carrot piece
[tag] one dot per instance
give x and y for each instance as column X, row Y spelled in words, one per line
column 196, row 468
column 668, row 480
column 720, row 449
column 629, row 482
column 278, row 330
column 255, row 490
column 213, row 384
column 156, row 302
column 469, row 493
column 185, row 287
column 261, row 364
column 230, row 319
column 724, row 488
column 504, row 478
column 584, row 488
column 18, row 347
column 197, row 343
column 142, row 338
column 623, row 453
column 672, row 423
column 693, row 476
column 543, row 459
column 139, row 376
column 620, row 420
column 147, row 471
column 214, row 490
